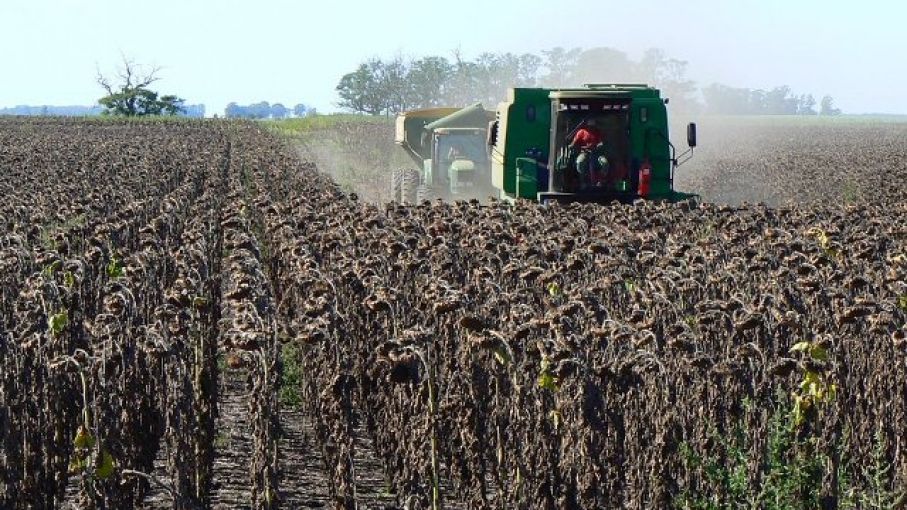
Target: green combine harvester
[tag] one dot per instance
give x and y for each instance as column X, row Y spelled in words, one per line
column 597, row 143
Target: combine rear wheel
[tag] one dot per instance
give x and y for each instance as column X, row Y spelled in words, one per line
column 409, row 185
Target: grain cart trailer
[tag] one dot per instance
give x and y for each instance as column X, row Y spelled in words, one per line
column 449, row 153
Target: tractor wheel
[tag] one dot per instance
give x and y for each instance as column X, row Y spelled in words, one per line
column 409, row 184
column 396, row 183
column 424, row 194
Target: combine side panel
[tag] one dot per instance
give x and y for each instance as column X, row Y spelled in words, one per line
column 649, row 141
column 524, row 122
column 499, row 148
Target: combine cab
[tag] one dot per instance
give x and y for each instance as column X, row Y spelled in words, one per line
column 448, row 146
column 537, row 154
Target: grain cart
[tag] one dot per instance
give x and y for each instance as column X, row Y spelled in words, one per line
column 533, row 154
column 449, row 149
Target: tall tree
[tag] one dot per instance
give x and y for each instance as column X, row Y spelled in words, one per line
column 807, row 105
column 233, row 111
column 394, row 85
column 669, row 75
column 260, row 110
column 429, row 79
column 559, row 64
column 778, row 101
column 827, row 107
column 723, row 99
column 464, row 81
column 755, row 102
column 528, row 70
column 603, row 65
column 129, row 94
column 279, row 111
column 299, row 110
column 491, row 72
column 361, row 91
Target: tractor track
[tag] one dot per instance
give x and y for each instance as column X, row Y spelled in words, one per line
column 302, row 483
column 233, row 443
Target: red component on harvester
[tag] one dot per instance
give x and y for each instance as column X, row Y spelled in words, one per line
column 645, row 179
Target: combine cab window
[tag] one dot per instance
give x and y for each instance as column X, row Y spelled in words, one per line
column 599, row 158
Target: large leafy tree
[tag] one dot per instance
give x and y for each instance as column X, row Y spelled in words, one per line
column 807, row 105
column 129, row 95
column 559, row 64
column 603, row 65
column 362, row 91
column 429, row 79
column 395, row 85
column 496, row 72
column 669, row 74
column 827, row 107
column 464, row 82
column 233, row 110
column 279, row 111
column 377, row 87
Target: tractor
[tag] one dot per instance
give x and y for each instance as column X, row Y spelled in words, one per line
column 449, row 147
column 537, row 146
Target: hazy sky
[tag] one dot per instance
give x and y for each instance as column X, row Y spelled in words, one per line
column 214, row 52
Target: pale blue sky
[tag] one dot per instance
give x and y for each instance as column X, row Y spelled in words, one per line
column 280, row 50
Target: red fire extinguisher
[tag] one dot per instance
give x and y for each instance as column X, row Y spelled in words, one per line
column 645, row 178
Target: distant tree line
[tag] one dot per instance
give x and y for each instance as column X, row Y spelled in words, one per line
column 723, row 99
column 265, row 110
column 195, row 111
column 391, row 86
column 189, row 110
column 45, row 110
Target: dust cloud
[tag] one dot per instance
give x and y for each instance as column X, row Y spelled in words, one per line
column 791, row 160
column 358, row 155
